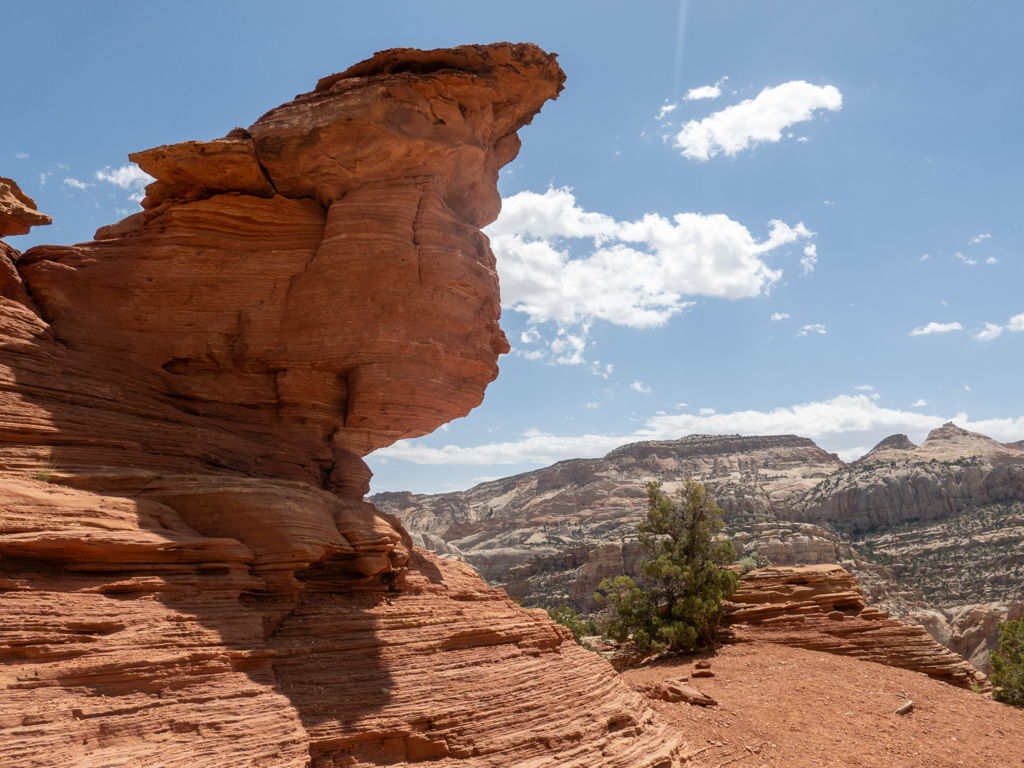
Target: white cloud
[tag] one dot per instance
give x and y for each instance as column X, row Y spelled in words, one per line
column 634, row 274
column 936, row 328
column 926, row 256
column 852, row 454
column 529, row 336
column 816, row 328
column 991, row 331
column 706, row 411
column 128, row 176
column 979, row 238
column 918, row 403
column 965, row 260
column 665, row 109
column 991, row 260
column 843, row 424
column 568, row 347
column 810, row 257
column 591, row 405
column 803, row 138
column 21, row 155
column 706, row 91
column 76, row 184
column 1016, row 323
column 776, row 316
column 755, row 121
column 637, row 386
column 865, row 387
column 42, row 178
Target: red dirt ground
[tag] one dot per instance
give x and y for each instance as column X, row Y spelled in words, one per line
column 781, row 707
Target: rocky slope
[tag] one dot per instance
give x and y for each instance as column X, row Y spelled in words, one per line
column 188, row 573
column 782, row 707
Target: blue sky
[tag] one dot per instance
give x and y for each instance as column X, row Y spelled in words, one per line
column 641, row 268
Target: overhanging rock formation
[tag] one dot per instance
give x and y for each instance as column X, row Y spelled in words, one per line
column 188, row 573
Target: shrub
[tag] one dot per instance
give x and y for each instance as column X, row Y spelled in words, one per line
column 568, row 618
column 747, row 564
column 1008, row 664
column 679, row 605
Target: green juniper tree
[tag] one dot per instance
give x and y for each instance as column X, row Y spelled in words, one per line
column 1008, row 664
column 680, row 603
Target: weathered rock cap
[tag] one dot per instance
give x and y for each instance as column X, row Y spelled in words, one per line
column 18, row 213
column 448, row 116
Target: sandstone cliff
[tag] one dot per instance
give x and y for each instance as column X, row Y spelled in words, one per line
column 188, row 574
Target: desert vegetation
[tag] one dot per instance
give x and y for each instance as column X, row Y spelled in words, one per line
column 678, row 606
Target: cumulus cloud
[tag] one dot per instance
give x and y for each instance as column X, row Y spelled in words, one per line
column 920, row 403
column 990, row 332
column 936, row 328
column 926, row 256
column 638, row 386
column 816, row 328
column 755, row 121
column 21, row 155
column 865, row 387
column 705, row 412
column 991, row 260
column 810, row 257
column 843, row 424
column 979, row 238
column 965, row 260
column 1016, row 323
column 129, row 177
column 76, row 184
column 635, row 274
column 776, row 316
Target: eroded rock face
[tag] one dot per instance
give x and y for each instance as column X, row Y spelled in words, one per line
column 899, row 483
column 320, row 275
column 822, row 608
column 188, row 573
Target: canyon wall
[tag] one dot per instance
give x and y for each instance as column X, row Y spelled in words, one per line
column 188, row 573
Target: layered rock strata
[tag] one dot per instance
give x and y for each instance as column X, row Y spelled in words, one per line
column 822, row 608
column 188, row 573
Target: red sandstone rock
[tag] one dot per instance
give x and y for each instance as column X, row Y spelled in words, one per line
column 821, row 608
column 678, row 690
column 18, row 211
column 188, row 574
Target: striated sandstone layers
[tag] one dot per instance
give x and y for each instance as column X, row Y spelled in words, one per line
column 188, row 573
column 822, row 608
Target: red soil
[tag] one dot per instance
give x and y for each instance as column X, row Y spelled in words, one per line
column 781, row 707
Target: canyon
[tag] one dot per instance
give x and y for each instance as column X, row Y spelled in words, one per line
column 934, row 533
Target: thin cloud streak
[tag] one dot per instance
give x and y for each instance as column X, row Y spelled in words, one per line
column 842, row 423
